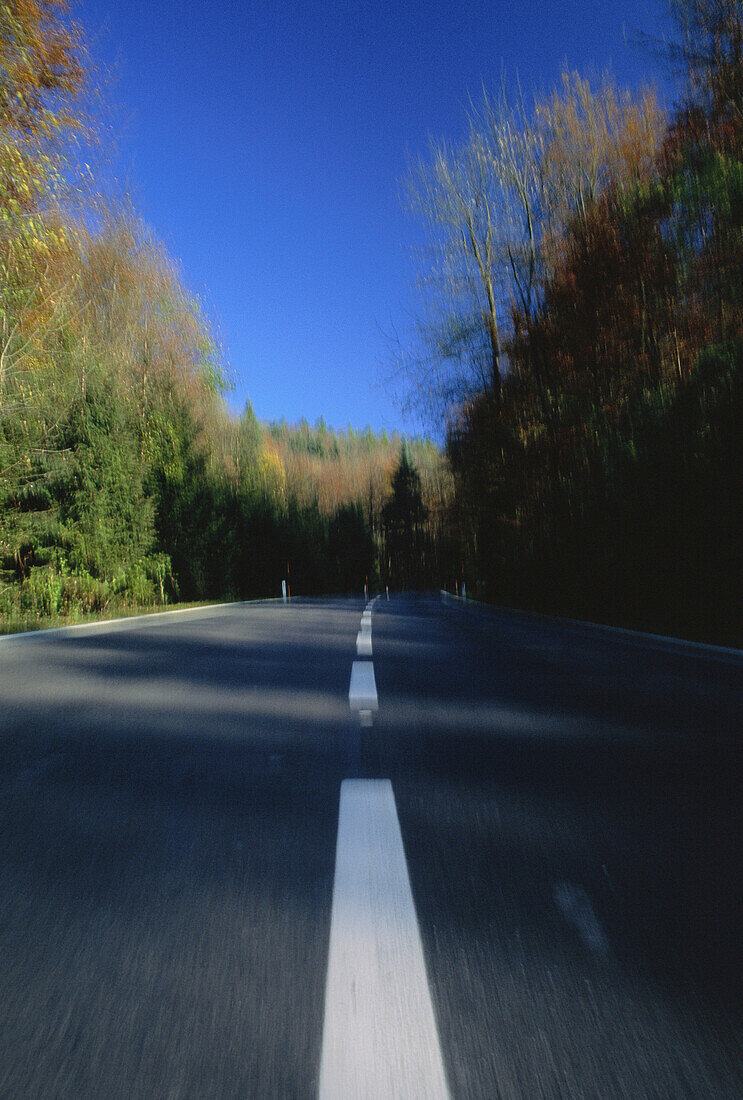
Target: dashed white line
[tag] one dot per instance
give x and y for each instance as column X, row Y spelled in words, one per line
column 362, row 691
column 379, row 1034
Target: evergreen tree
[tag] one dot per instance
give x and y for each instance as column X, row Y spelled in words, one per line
column 404, row 521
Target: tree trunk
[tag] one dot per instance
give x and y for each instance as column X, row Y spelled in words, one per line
column 495, row 381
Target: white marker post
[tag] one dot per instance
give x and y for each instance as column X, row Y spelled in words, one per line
column 283, row 591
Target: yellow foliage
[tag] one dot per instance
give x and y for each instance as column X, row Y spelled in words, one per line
column 272, row 473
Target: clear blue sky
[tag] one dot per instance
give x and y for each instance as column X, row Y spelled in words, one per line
column 264, row 140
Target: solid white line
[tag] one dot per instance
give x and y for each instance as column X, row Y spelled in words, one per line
column 364, row 643
column 379, row 1035
column 664, row 642
column 362, row 691
column 123, row 620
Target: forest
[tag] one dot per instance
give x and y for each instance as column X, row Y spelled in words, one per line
column 125, row 482
column 581, row 336
column 578, row 346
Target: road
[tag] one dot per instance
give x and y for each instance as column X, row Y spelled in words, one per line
column 545, row 900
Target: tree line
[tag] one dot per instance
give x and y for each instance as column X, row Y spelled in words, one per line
column 124, row 479
column 579, row 342
column 581, row 337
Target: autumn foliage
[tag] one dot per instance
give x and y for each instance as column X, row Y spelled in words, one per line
column 602, row 477
column 124, row 478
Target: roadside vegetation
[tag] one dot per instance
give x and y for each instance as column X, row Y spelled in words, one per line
column 579, row 344
column 125, row 483
column 581, row 337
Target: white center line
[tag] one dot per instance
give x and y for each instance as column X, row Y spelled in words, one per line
column 379, row 1036
column 364, row 643
column 362, row 691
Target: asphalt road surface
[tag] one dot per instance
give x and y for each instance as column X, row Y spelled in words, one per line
column 507, row 866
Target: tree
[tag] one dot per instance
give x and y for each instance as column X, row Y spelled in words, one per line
column 497, row 208
column 248, row 447
column 351, row 549
column 459, row 331
column 597, row 138
column 404, row 519
column 709, row 52
column 41, row 79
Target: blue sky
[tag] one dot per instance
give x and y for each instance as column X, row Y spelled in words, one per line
column 265, row 143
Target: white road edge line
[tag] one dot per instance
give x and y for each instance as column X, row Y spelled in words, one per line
column 125, row 620
column 664, row 642
column 379, row 1033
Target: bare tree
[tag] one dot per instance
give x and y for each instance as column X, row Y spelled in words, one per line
column 453, row 193
column 513, row 144
column 497, row 208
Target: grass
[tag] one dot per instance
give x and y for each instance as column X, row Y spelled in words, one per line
column 20, row 623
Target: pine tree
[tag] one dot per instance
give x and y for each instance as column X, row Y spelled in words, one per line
column 404, row 520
